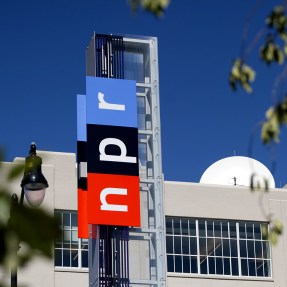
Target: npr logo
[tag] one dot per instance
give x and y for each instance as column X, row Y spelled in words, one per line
column 112, row 152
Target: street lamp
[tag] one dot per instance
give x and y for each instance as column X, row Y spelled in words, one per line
column 33, row 185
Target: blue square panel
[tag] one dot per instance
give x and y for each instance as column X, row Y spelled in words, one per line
column 111, row 102
column 81, row 118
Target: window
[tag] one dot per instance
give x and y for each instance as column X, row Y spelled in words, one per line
column 70, row 251
column 137, row 61
column 142, row 142
column 141, row 111
column 134, row 66
column 216, row 247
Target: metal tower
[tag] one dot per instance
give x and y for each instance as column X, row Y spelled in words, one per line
column 122, row 256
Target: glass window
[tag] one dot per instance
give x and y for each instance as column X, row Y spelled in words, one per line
column 70, row 251
column 192, row 227
column 134, row 66
column 176, row 226
column 170, row 263
column 186, row 264
column 218, row 247
column 201, row 228
column 141, row 113
column 217, row 229
column 184, row 227
column 169, row 226
column 232, row 229
column 137, row 62
column 142, row 151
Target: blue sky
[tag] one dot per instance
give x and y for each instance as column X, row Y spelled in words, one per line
column 42, row 69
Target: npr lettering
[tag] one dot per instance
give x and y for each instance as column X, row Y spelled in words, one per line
column 112, row 152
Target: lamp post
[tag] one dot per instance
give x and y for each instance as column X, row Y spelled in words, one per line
column 33, row 186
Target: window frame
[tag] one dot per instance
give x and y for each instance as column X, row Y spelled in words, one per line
column 82, row 245
column 231, row 239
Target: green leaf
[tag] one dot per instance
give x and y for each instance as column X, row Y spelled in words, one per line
column 275, row 118
column 275, row 230
column 277, row 20
column 246, row 86
column 35, row 227
column 283, row 36
column 264, row 231
column 16, row 171
column 252, row 182
column 241, row 74
column 273, row 238
column 278, row 55
column 250, row 73
column 270, row 132
column 278, row 227
column 266, row 184
column 155, row 7
column 4, row 209
column 1, row 156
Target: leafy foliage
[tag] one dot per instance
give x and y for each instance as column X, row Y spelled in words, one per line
column 33, row 228
column 258, row 183
column 277, row 20
column 156, row 7
column 40, row 234
column 270, row 52
column 275, row 118
column 275, row 46
column 241, row 74
column 16, row 171
column 276, row 229
column 273, row 51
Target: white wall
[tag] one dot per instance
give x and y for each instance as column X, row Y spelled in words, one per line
column 60, row 172
column 229, row 202
column 181, row 199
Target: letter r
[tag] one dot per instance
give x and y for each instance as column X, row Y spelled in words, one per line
column 108, row 106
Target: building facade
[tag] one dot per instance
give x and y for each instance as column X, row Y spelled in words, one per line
column 212, row 235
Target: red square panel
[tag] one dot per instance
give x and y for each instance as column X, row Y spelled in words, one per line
column 113, row 199
column 83, row 214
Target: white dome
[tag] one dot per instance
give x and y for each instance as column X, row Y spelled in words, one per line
column 237, row 170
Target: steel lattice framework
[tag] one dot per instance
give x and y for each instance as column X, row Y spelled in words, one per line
column 116, row 251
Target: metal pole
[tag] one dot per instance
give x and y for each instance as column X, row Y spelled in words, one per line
column 14, row 201
column 14, row 276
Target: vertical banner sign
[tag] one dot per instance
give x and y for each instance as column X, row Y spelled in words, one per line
column 111, row 141
column 82, row 167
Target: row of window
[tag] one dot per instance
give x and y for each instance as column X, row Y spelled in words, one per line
column 216, row 247
column 192, row 246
